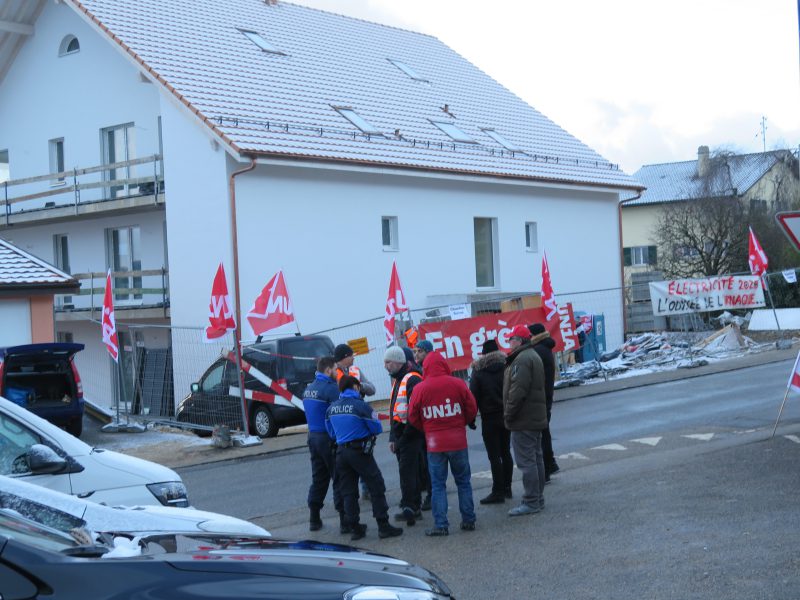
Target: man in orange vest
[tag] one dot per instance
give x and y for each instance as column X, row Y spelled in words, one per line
column 344, row 357
column 405, row 441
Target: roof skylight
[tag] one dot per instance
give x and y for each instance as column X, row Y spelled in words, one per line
column 260, row 41
column 501, row 140
column 454, row 132
column 407, row 70
column 358, row 120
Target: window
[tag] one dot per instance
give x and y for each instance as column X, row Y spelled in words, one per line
column 57, row 159
column 454, row 132
column 389, row 233
column 531, row 237
column 501, row 140
column 69, row 45
column 260, row 42
column 640, row 255
column 118, row 146
column 358, row 120
column 123, row 256
column 758, row 206
column 5, row 173
column 64, row 337
column 61, row 255
column 485, row 252
column 407, row 70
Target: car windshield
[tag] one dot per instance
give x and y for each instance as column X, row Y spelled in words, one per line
column 40, row 513
column 13, row 525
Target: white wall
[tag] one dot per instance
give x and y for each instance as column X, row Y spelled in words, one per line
column 15, row 317
column 44, row 96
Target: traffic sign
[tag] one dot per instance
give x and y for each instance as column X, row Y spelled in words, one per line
column 789, row 222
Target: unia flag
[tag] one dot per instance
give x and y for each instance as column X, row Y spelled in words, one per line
column 756, row 257
column 109, row 323
column 272, row 308
column 395, row 304
column 794, row 378
column 548, row 298
column 220, row 315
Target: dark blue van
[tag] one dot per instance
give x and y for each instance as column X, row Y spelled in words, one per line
column 43, row 378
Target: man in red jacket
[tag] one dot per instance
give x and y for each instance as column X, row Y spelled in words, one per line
column 442, row 406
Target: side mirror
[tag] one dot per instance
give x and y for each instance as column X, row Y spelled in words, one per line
column 195, row 388
column 43, row 459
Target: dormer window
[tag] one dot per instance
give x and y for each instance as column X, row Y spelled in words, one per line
column 501, row 140
column 69, row 45
column 454, row 132
column 407, row 70
column 259, row 41
column 358, row 120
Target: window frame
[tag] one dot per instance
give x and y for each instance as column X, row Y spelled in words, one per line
column 407, row 69
column 55, row 148
column 452, row 131
column 61, row 261
column 531, row 247
column 492, row 252
column 66, row 43
column 5, row 172
column 133, row 235
column 109, row 156
column 357, row 121
column 500, row 139
column 393, row 227
column 261, row 42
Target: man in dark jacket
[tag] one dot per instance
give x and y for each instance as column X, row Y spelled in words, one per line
column 525, row 415
column 486, row 384
column 405, row 441
column 544, row 344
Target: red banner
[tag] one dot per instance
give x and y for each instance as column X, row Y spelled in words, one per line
column 460, row 342
column 220, row 309
column 395, row 304
column 109, row 324
column 272, row 308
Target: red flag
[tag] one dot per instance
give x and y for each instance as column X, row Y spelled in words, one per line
column 548, row 298
column 272, row 308
column 220, row 314
column 395, row 304
column 756, row 258
column 109, row 324
column 794, row 378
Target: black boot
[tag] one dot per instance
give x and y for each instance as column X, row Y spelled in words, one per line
column 494, row 498
column 385, row 530
column 508, row 492
column 314, row 520
column 359, row 531
column 344, row 524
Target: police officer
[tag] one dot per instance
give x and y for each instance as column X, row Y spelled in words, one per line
column 319, row 395
column 344, row 357
column 354, row 427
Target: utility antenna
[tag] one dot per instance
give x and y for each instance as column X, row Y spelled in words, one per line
column 763, row 132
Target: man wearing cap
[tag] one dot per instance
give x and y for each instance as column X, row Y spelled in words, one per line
column 544, row 345
column 344, row 357
column 405, row 441
column 525, row 416
column 421, row 350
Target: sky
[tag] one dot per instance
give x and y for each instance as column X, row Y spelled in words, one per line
column 638, row 81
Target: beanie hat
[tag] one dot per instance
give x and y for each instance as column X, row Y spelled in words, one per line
column 409, row 354
column 520, row 331
column 536, row 328
column 394, row 354
column 425, row 345
column 490, row 346
column 342, row 351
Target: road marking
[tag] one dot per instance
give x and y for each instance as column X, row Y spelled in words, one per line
column 577, row 455
column 699, row 436
column 610, row 447
column 651, row 441
column 793, row 438
column 483, row 475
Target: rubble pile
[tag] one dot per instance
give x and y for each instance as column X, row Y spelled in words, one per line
column 650, row 352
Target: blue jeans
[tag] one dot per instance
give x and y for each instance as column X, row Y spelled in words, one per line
column 459, row 466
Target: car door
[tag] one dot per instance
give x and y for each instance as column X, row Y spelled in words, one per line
column 15, row 441
column 215, row 404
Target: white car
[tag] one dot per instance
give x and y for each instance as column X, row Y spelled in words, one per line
column 63, row 512
column 38, row 452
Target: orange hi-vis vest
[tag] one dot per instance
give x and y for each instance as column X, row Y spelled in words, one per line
column 353, row 371
column 401, row 402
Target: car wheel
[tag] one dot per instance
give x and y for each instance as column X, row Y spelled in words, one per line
column 75, row 426
column 263, row 423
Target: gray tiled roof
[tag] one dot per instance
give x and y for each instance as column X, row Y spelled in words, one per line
column 20, row 269
column 282, row 104
column 669, row 182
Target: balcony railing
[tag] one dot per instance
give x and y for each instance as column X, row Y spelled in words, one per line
column 84, row 186
column 149, row 289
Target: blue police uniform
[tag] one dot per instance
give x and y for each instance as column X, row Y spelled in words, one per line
column 354, row 426
column 318, row 396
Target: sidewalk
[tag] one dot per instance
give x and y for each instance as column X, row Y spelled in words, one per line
column 182, row 449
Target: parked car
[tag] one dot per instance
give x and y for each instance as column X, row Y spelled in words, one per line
column 37, row 561
column 43, row 378
column 63, row 512
column 39, row 452
column 289, row 365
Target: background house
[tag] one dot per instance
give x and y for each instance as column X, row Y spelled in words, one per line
column 370, row 144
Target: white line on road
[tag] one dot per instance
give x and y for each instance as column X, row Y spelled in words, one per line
column 610, row 447
column 793, row 438
column 577, row 455
column 650, row 441
column 699, row 436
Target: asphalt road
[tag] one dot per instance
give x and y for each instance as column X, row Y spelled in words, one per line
column 668, row 491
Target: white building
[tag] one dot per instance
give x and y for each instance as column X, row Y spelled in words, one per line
column 370, row 144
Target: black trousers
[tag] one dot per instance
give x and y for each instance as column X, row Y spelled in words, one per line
column 497, row 440
column 323, row 471
column 352, row 463
column 410, row 453
column 547, row 445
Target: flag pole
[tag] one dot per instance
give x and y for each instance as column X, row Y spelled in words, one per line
column 765, row 283
column 288, row 295
column 780, row 412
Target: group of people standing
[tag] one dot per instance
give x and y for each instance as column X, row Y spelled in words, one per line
column 429, row 411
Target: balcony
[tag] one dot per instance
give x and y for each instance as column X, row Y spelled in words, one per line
column 138, row 295
column 90, row 191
